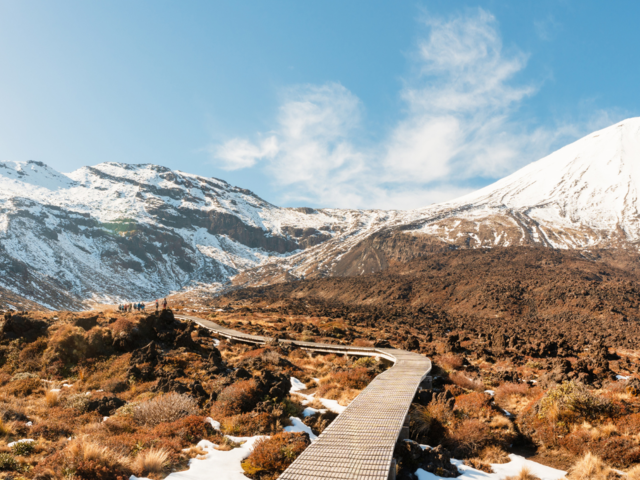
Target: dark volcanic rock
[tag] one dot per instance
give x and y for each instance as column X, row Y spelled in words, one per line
column 105, row 406
column 86, row 323
column 18, row 326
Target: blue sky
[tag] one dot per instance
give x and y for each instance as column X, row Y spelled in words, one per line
column 359, row 104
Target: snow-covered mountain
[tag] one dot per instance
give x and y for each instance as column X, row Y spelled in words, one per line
column 583, row 196
column 125, row 232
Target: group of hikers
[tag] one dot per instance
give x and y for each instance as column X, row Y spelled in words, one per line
column 140, row 307
column 128, row 307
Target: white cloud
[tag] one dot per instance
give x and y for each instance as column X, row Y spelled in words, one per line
column 239, row 153
column 457, row 126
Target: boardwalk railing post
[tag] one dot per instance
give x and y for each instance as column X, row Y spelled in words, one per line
column 392, row 470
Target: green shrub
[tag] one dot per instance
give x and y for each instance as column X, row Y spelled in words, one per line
column 8, row 462
column 576, row 398
column 23, row 448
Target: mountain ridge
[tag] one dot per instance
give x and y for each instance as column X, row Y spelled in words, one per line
column 116, row 232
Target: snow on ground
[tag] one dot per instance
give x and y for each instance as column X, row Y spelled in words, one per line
column 23, row 440
column 333, row 405
column 502, row 471
column 218, row 464
column 296, row 385
column 298, row 426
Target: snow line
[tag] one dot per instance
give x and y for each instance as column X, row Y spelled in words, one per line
column 359, row 443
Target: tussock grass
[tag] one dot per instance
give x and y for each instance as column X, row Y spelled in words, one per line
column 52, row 398
column 165, row 408
column 155, row 460
column 589, row 467
column 525, row 474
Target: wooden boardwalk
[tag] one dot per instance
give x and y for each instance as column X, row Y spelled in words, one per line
column 359, row 443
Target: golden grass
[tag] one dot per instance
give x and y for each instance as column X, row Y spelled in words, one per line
column 495, row 454
column 634, row 473
column 154, row 460
column 589, row 467
column 5, row 429
column 83, row 450
column 52, row 398
column 195, row 452
column 525, row 474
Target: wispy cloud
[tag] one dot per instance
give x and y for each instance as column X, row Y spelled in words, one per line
column 547, row 28
column 457, row 125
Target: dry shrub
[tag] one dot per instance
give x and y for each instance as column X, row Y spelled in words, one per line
column 468, row 438
column 629, row 424
column 463, row 381
column 271, row 456
column 589, row 467
column 51, row 430
column 155, row 460
column 474, row 405
column 195, row 451
column 525, row 474
column 66, row 345
column 52, row 398
column 250, row 424
column 495, row 454
column 479, row 464
column 616, row 450
column 99, row 341
column 5, row 429
column 440, row 409
column 634, row 473
column 239, row 397
column 95, row 462
column 24, row 387
column 122, row 326
column 165, row 408
column 357, row 378
column 574, row 398
column 187, row 430
column 450, row 362
column 507, row 390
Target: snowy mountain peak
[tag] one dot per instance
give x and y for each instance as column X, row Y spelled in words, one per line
column 15, row 176
column 594, row 181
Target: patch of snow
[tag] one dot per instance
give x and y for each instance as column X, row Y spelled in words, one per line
column 23, row 440
column 490, row 392
column 312, row 411
column 213, row 423
column 296, row 385
column 622, row 377
column 298, row 426
column 218, row 464
column 501, row 471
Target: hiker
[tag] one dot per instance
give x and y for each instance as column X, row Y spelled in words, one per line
column 164, row 304
column 157, row 305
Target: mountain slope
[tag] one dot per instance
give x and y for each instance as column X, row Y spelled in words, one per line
column 125, row 232
column 582, row 196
